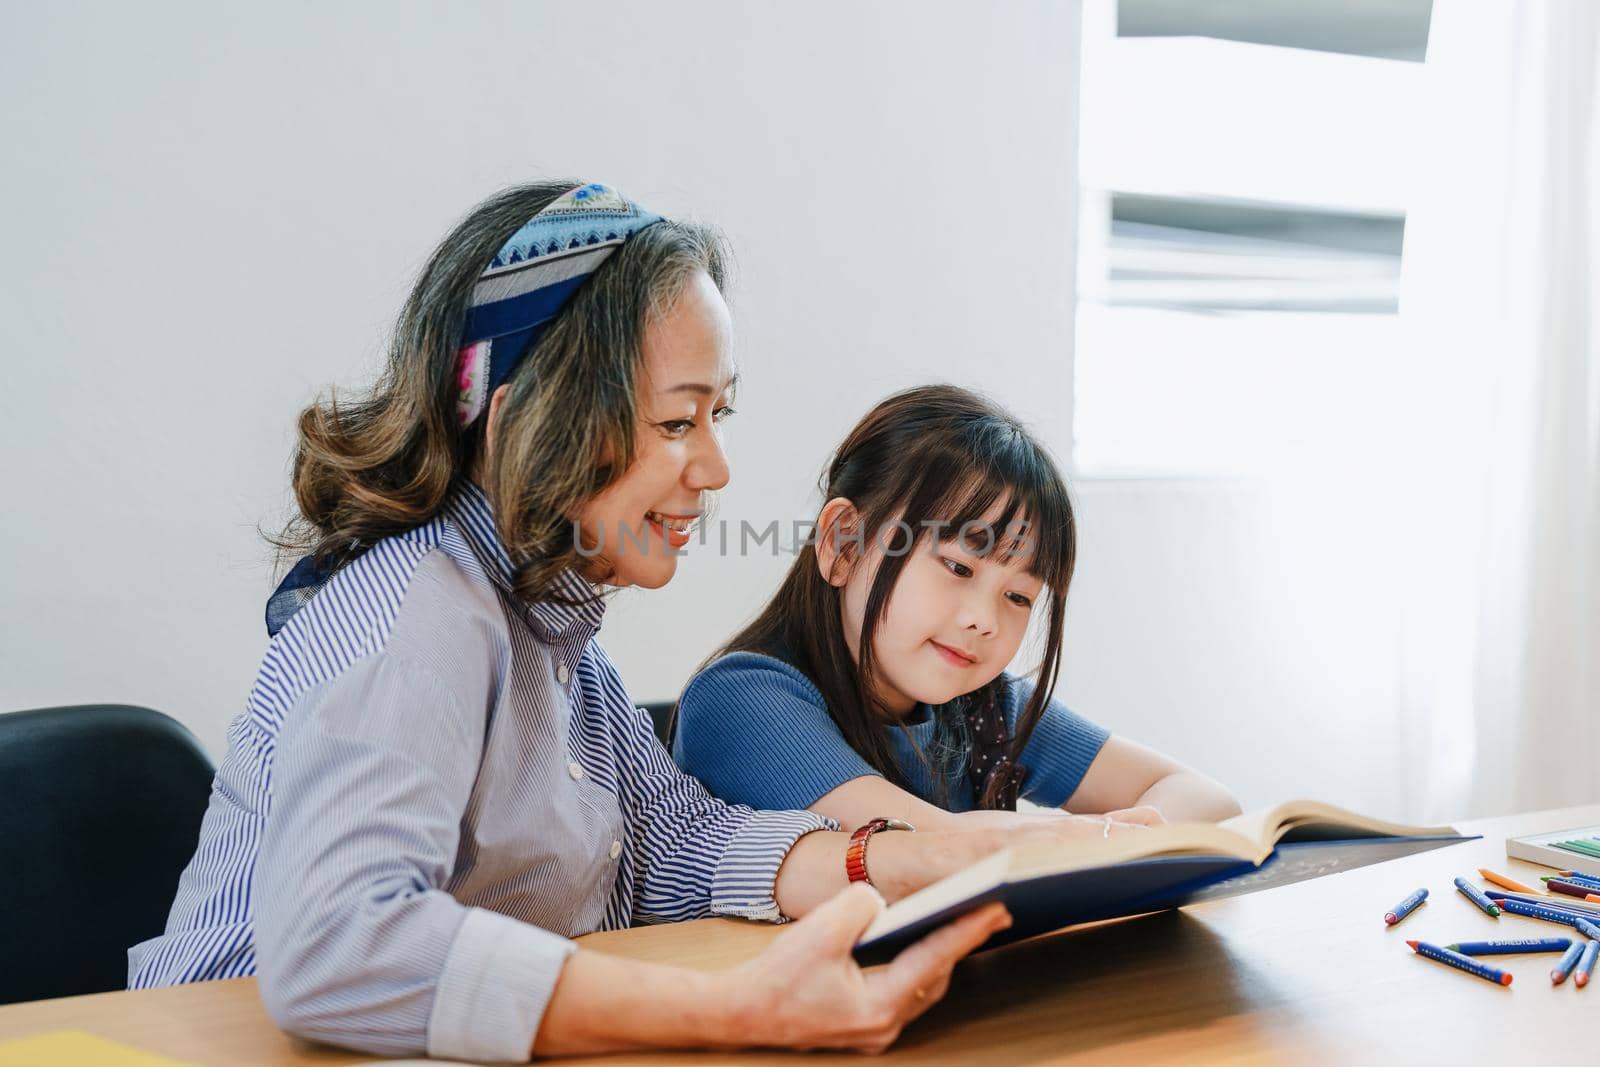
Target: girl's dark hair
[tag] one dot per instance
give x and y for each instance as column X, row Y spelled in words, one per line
column 926, row 456
column 386, row 462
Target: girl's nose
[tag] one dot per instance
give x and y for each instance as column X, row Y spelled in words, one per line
column 979, row 615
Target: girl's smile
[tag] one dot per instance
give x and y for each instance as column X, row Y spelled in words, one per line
column 954, row 656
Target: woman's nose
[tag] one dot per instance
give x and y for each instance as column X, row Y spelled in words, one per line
column 708, row 470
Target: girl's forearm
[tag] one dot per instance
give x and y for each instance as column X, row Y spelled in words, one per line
column 1187, row 796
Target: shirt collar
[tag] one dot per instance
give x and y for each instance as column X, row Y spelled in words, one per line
column 550, row 619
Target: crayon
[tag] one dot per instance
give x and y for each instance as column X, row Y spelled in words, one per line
column 1461, row 963
column 1405, row 907
column 1564, row 965
column 1580, row 977
column 1587, row 929
column 1567, row 904
column 1573, row 889
column 1503, row 882
column 1512, row 906
column 1502, row 948
column 1474, row 894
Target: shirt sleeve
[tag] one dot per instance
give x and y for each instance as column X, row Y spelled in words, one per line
column 757, row 732
column 1058, row 754
column 694, row 854
column 357, row 941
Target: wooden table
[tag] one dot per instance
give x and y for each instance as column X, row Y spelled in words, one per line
column 1304, row 973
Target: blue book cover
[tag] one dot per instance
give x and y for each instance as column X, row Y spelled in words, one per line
column 1047, row 887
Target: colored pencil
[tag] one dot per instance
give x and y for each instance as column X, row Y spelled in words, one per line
column 1503, row 882
column 1564, row 965
column 1586, row 964
column 1405, row 907
column 1503, row 948
column 1474, row 894
column 1573, row 889
column 1461, row 963
column 1573, row 876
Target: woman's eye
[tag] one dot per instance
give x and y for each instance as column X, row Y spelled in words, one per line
column 722, row 413
column 676, row 427
column 955, row 567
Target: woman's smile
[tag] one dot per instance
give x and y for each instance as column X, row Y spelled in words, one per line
column 674, row 529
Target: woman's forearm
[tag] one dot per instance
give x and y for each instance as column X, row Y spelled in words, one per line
column 804, row 991
column 607, row 1004
column 898, row 862
column 1187, row 796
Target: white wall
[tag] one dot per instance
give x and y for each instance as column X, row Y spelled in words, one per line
column 210, row 215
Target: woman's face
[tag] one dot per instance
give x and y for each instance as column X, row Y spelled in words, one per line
column 636, row 527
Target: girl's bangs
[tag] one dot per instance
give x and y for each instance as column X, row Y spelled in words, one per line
column 1034, row 517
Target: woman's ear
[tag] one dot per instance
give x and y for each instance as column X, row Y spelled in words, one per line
column 491, row 418
column 838, row 528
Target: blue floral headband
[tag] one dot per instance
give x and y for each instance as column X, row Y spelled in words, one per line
column 531, row 279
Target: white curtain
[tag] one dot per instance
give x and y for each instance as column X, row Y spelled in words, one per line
column 1495, row 503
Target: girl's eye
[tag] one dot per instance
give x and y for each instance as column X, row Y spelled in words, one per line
column 956, row 567
column 1020, row 600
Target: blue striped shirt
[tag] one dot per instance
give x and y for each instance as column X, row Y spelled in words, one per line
column 756, row 731
column 432, row 787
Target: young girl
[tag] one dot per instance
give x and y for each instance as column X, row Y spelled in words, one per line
column 872, row 685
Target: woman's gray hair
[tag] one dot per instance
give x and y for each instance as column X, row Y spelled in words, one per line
column 385, row 463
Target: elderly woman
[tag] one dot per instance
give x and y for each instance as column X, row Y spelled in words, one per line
column 439, row 778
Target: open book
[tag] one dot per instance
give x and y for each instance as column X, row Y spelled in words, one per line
column 1048, row 886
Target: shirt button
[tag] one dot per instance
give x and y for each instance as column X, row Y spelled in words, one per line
column 616, row 849
column 562, row 674
column 575, row 771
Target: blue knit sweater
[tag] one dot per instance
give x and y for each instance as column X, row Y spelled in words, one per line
column 756, row 731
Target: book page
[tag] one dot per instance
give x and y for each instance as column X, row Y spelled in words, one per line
column 1315, row 820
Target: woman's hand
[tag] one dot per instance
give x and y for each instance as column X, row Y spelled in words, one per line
column 806, row 992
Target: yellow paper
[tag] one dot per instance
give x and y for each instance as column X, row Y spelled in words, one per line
column 74, row 1048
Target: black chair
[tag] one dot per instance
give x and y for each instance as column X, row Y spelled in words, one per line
column 100, row 809
column 661, row 717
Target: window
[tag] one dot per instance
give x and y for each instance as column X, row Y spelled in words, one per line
column 1244, row 174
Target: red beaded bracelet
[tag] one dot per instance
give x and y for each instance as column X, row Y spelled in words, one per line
column 855, row 857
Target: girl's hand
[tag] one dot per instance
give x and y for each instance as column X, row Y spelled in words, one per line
column 806, row 992
column 1144, row 814
column 1077, row 827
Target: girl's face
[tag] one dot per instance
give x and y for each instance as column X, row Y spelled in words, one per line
column 952, row 623
column 636, row 526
